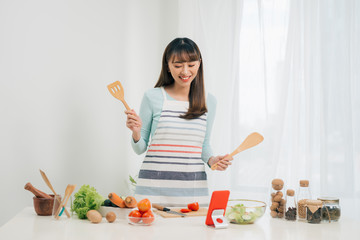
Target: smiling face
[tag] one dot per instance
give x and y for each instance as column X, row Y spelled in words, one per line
column 182, row 71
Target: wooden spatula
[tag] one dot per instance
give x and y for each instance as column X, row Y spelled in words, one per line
column 43, row 175
column 68, row 191
column 117, row 90
column 250, row 141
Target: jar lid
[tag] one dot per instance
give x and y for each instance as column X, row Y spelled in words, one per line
column 314, row 202
column 277, row 181
column 329, row 199
column 313, row 205
column 290, row 192
column 304, row 183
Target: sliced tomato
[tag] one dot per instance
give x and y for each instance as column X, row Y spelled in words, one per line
column 193, row 206
column 185, row 210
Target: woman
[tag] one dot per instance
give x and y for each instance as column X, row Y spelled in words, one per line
column 178, row 119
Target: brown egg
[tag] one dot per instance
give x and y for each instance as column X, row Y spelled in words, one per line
column 111, row 217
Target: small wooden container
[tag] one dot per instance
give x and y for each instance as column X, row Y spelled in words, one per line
column 44, row 206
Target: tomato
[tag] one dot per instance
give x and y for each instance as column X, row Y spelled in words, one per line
column 144, row 205
column 147, row 217
column 193, row 206
column 185, row 210
column 135, row 216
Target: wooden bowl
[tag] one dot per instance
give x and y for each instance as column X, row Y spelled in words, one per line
column 44, row 206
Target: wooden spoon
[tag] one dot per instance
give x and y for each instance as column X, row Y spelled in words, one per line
column 63, row 201
column 117, row 90
column 250, row 141
column 43, row 175
column 70, row 191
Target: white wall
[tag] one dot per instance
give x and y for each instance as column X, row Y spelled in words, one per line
column 56, row 58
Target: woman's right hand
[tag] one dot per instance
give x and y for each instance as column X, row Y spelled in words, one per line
column 133, row 122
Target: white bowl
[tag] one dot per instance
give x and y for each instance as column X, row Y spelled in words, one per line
column 121, row 213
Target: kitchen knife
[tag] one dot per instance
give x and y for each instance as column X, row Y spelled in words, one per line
column 161, row 208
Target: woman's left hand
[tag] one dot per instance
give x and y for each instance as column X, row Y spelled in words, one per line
column 222, row 162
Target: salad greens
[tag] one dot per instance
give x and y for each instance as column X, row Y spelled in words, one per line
column 86, row 199
column 239, row 214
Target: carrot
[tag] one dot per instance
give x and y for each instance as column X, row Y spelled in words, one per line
column 130, row 202
column 115, row 199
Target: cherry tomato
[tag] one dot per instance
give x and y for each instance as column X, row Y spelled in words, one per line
column 185, row 210
column 135, row 216
column 147, row 217
column 193, row 206
column 144, row 205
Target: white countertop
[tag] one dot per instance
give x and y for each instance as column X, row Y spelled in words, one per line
column 27, row 225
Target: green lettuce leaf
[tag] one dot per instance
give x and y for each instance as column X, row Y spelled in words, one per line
column 86, row 199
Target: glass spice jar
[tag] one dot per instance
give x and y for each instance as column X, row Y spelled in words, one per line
column 277, row 206
column 313, row 211
column 331, row 210
column 290, row 209
column 303, row 195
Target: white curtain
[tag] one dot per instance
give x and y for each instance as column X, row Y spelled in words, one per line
column 289, row 70
column 214, row 26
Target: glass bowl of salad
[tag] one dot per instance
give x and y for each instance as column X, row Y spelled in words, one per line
column 244, row 211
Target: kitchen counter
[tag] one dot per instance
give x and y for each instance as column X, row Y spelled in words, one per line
column 27, row 225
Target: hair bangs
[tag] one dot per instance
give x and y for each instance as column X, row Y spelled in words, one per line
column 184, row 53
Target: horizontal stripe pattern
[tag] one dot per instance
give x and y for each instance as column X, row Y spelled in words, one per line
column 174, row 145
column 175, row 163
column 171, row 192
column 173, row 171
column 184, row 167
column 180, row 135
column 176, row 201
column 201, row 125
column 173, row 140
column 173, row 154
column 177, row 157
column 171, row 184
column 182, row 128
column 172, row 151
column 172, row 116
column 172, row 175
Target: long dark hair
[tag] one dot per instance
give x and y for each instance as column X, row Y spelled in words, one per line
column 185, row 50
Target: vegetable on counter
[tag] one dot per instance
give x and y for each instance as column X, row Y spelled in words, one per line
column 144, row 205
column 193, row 206
column 185, row 210
column 115, row 199
column 86, row 199
column 143, row 215
column 130, row 202
column 238, row 214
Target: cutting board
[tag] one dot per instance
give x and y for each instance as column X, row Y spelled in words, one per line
column 200, row 212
